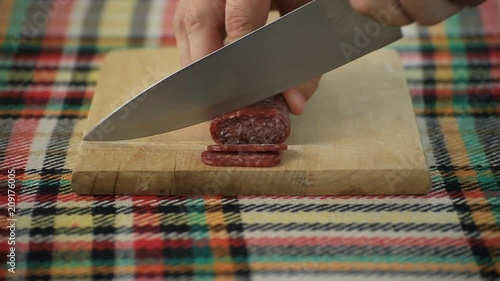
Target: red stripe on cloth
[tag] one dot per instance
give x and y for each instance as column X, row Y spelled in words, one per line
column 220, row 242
column 415, row 61
column 56, row 60
column 493, row 57
column 147, row 229
column 493, row 90
column 75, row 246
column 57, row 26
column 317, row 240
column 103, row 245
column 17, row 152
column 178, row 243
column 59, row 19
column 148, row 243
column 167, row 34
column 449, row 92
column 476, row 194
column 443, row 92
column 40, row 246
column 445, row 59
column 492, row 241
column 490, row 18
column 41, row 94
column 22, row 247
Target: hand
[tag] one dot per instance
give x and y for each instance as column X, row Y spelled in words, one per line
column 203, row 26
column 403, row 12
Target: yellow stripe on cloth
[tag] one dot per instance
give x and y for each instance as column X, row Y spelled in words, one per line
column 116, row 20
column 349, row 217
column 72, row 221
column 365, row 266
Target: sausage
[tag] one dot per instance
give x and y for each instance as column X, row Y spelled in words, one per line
column 247, row 147
column 266, row 122
column 241, row 159
column 250, row 137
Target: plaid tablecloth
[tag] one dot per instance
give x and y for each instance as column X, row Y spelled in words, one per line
column 49, row 62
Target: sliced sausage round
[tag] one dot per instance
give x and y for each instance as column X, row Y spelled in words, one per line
column 247, row 147
column 241, row 159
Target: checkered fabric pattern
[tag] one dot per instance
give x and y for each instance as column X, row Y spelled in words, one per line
column 50, row 53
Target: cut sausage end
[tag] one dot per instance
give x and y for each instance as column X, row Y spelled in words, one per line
column 266, row 122
column 250, row 137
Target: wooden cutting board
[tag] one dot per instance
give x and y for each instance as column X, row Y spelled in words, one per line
column 358, row 135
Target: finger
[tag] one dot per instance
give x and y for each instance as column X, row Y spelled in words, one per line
column 430, row 12
column 180, row 33
column 203, row 24
column 295, row 100
column 387, row 12
column 309, row 88
column 297, row 97
column 273, row 5
column 286, row 6
column 245, row 16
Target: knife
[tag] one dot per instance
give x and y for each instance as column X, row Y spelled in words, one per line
column 308, row 42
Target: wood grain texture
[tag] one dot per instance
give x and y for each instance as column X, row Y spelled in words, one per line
column 358, row 135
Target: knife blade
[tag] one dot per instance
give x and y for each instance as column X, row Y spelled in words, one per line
column 308, row 42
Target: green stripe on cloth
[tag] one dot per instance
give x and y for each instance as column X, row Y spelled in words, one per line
column 15, row 34
column 201, row 250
